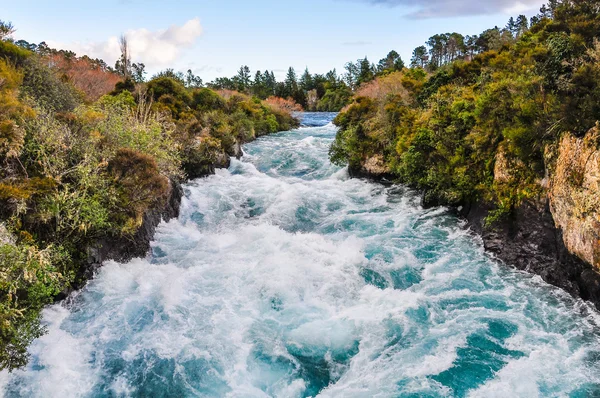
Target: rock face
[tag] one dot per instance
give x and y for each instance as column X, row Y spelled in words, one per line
column 530, row 241
column 575, row 195
column 374, row 168
column 221, row 160
column 557, row 236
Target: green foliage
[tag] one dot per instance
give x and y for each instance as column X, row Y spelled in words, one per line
column 12, row 53
column 47, row 89
column 205, row 99
column 334, row 99
column 126, row 85
column 12, row 112
column 477, row 127
column 140, row 186
column 29, row 279
column 114, row 122
column 171, row 94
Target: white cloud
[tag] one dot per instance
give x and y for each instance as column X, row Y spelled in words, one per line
column 451, row 8
column 154, row 48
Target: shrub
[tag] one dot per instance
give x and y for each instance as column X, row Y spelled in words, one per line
column 84, row 74
column 45, row 87
column 205, row 99
column 116, row 124
column 13, row 54
column 139, row 185
column 29, row 280
column 13, row 112
column 283, row 105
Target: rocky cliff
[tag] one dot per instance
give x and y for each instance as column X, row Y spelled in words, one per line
column 574, row 195
column 556, row 236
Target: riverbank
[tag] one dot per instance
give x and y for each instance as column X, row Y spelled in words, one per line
column 506, row 133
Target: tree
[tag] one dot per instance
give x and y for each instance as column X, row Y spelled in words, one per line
column 391, row 63
column 455, row 47
column 223, row 83
column 138, row 72
column 170, row 73
column 306, row 81
column 191, row 80
column 26, row 45
column 291, row 82
column 123, row 65
column 270, row 82
column 243, row 79
column 471, row 46
column 6, row 29
column 522, row 25
column 366, row 71
column 358, row 73
column 419, row 57
column 512, row 27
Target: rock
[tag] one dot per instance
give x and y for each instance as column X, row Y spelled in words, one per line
column 6, row 238
column 575, row 195
column 375, row 165
column 374, row 169
column 529, row 241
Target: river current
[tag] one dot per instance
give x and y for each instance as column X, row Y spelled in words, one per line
column 283, row 277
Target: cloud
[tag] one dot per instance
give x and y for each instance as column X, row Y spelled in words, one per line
column 451, row 8
column 154, row 48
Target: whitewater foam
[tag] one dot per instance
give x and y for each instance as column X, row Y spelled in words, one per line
column 284, row 278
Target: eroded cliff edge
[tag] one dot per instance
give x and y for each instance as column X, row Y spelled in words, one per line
column 556, row 236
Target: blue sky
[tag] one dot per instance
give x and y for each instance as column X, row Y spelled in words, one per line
column 214, row 38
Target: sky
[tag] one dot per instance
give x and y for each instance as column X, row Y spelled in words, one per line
column 214, row 38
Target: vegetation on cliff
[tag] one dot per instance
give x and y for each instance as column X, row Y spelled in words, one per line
column 86, row 150
column 472, row 117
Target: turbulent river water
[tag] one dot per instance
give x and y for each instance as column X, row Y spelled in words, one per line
column 285, row 278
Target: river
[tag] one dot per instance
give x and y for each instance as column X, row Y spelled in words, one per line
column 283, row 277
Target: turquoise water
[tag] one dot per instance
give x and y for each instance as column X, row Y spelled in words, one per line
column 285, row 278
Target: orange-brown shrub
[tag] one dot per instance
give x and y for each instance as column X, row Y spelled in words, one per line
column 227, row 94
column 85, row 75
column 380, row 88
column 283, row 105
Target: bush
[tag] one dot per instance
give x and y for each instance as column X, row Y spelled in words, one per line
column 13, row 112
column 13, row 54
column 46, row 88
column 29, row 279
column 140, row 186
column 205, row 99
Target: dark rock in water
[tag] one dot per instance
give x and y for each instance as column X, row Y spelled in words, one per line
column 200, row 169
column 359, row 172
column 530, row 241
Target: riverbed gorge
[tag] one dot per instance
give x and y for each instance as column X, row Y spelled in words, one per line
column 284, row 277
